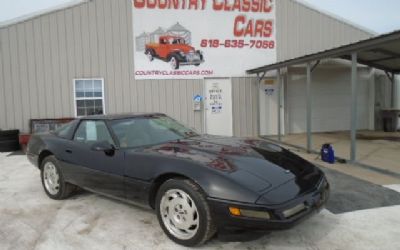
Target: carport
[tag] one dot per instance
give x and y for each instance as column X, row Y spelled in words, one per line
column 381, row 52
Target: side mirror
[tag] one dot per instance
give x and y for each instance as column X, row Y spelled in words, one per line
column 104, row 146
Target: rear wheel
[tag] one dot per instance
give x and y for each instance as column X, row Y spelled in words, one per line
column 53, row 180
column 150, row 55
column 183, row 212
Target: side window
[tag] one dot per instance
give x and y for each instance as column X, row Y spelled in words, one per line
column 90, row 132
column 66, row 130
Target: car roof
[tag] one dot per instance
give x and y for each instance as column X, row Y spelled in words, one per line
column 120, row 116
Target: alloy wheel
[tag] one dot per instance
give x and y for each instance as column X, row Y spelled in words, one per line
column 179, row 214
column 51, row 178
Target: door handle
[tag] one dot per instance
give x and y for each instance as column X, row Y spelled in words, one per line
column 69, row 151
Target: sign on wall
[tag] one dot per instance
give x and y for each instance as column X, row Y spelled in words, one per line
column 215, row 99
column 218, row 107
column 194, row 39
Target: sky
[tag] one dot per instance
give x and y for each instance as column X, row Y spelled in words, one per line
column 380, row 16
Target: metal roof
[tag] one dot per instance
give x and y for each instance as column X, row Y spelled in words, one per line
column 380, row 52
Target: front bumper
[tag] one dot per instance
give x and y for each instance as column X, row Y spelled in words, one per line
column 192, row 59
column 314, row 201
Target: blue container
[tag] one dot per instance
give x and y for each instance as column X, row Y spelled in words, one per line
column 327, row 153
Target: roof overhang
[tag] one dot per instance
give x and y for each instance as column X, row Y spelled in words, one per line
column 381, row 52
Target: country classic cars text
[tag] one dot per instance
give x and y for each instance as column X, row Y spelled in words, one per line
column 242, row 26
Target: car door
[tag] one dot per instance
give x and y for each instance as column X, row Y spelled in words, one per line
column 164, row 48
column 96, row 170
column 133, row 137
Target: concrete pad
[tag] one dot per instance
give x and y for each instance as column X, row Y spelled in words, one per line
column 30, row 220
column 350, row 169
column 374, row 148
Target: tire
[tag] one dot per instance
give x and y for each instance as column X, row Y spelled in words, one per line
column 201, row 58
column 193, row 209
column 150, row 54
column 9, row 132
column 64, row 189
column 6, row 135
column 174, row 62
column 9, row 146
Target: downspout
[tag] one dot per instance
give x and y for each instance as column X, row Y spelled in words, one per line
column 396, row 95
column 396, row 92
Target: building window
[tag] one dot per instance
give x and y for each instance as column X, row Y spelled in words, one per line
column 89, row 97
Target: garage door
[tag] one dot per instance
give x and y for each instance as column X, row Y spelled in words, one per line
column 331, row 91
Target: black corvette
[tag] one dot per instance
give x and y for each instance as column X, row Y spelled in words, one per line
column 197, row 185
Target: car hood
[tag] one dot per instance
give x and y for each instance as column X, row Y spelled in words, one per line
column 255, row 164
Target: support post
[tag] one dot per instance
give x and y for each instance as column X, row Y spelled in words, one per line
column 394, row 90
column 309, row 106
column 354, row 90
column 259, row 78
column 278, row 78
column 393, row 94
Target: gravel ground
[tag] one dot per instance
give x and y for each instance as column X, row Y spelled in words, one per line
column 30, row 220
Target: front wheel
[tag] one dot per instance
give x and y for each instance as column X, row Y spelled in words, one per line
column 183, row 213
column 174, row 62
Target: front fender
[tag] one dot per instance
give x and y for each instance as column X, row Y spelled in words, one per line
column 177, row 54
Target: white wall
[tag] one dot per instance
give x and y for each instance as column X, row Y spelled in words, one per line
column 40, row 56
column 331, row 94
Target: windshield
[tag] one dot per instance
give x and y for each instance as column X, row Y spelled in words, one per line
column 178, row 41
column 143, row 131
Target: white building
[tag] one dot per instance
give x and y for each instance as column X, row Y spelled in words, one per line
column 45, row 56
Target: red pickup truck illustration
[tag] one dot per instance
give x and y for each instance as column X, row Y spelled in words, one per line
column 174, row 50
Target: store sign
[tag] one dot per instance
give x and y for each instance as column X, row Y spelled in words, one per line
column 194, row 39
column 215, row 99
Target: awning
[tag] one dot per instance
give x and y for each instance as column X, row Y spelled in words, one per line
column 381, row 52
